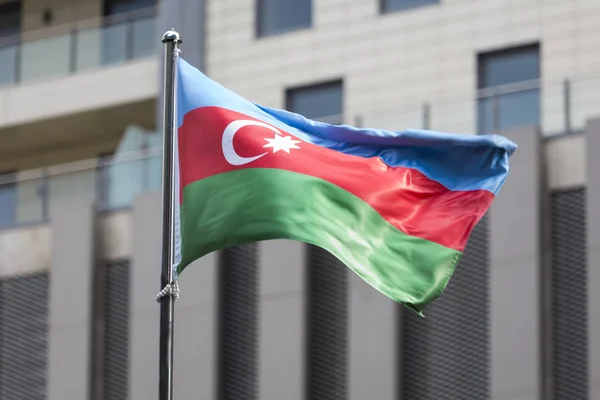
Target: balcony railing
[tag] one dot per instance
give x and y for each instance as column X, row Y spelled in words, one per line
column 29, row 197
column 557, row 108
column 117, row 39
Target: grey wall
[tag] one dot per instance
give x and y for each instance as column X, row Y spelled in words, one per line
column 194, row 356
column 373, row 343
column 593, row 279
column 145, row 282
column 71, row 301
column 195, row 331
column 515, row 275
column 282, row 320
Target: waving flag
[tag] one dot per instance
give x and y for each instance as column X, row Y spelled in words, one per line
column 395, row 207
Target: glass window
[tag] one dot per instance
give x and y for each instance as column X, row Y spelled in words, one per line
column 509, row 66
column 114, row 48
column 8, row 198
column 130, row 36
column 10, row 18
column 515, row 107
column 8, row 64
column 279, row 16
column 112, row 7
column 398, row 5
column 323, row 101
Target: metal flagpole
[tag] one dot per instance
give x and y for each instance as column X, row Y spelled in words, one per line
column 169, row 293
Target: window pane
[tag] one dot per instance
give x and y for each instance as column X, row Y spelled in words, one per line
column 10, row 18
column 114, row 48
column 123, row 181
column 112, row 7
column 509, row 66
column 153, row 164
column 8, row 64
column 46, row 58
column 321, row 101
column 396, row 5
column 486, row 123
column 508, row 111
column 277, row 16
column 29, row 201
column 74, row 186
column 144, row 37
column 88, row 49
column 7, row 203
column 519, row 109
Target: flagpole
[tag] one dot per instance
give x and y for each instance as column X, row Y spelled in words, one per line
column 168, row 294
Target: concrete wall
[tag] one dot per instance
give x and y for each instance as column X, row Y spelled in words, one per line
column 25, row 250
column 566, row 161
column 80, row 93
column 72, row 289
column 195, row 331
column 374, row 337
column 39, row 128
column 143, row 331
column 282, row 339
column 516, row 262
column 394, row 63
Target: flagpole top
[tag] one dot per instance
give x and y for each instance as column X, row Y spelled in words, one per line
column 171, row 36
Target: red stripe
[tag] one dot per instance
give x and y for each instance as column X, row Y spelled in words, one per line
column 405, row 197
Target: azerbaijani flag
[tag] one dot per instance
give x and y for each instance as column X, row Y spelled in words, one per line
column 395, row 207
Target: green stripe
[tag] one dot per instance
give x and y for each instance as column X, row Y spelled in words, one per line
column 251, row 205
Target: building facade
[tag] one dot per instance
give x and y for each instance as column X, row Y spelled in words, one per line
column 80, row 104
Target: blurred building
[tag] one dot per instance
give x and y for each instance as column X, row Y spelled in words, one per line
column 80, row 90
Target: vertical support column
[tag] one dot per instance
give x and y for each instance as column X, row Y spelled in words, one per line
column 593, row 248
column 373, row 343
column 282, row 320
column 516, row 259
column 71, row 301
column 145, row 270
column 195, row 331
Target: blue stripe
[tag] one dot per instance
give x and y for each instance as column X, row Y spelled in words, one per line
column 459, row 162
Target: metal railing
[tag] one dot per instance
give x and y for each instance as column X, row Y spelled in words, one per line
column 29, row 196
column 558, row 108
column 82, row 46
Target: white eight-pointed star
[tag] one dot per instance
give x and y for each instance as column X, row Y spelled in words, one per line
column 282, row 143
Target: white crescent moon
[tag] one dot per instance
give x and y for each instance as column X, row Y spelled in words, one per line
column 231, row 156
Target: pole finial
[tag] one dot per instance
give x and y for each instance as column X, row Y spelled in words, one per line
column 171, row 36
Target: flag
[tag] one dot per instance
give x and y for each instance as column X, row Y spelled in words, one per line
column 397, row 208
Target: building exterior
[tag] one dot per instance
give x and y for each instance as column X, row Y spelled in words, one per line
column 80, row 99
